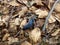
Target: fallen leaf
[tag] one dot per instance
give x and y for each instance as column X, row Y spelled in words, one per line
column 56, row 32
column 12, row 40
column 57, row 7
column 41, row 13
column 35, row 35
column 26, row 43
column 51, row 19
column 6, row 37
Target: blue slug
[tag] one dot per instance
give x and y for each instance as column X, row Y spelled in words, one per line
column 29, row 24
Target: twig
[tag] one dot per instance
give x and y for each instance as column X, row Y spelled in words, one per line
column 10, row 15
column 46, row 22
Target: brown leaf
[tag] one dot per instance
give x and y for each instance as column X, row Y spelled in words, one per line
column 56, row 32
column 6, row 37
column 41, row 13
column 35, row 35
column 57, row 7
column 51, row 19
column 26, row 43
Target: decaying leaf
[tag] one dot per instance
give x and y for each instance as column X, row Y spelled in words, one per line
column 4, row 31
column 57, row 7
column 12, row 40
column 11, row 2
column 26, row 43
column 23, row 11
column 33, row 8
column 5, row 18
column 41, row 13
column 56, row 32
column 2, row 24
column 12, row 27
column 23, row 23
column 38, row 2
column 6, row 37
column 51, row 19
column 17, row 21
column 35, row 35
column 57, row 17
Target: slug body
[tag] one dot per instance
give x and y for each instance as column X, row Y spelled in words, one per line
column 29, row 24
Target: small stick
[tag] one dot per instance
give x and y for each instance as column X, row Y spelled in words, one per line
column 46, row 22
column 49, row 14
column 10, row 15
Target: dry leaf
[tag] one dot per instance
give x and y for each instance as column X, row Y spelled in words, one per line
column 26, row 43
column 12, row 40
column 41, row 13
column 35, row 35
column 23, row 11
column 23, row 23
column 57, row 7
column 6, row 37
column 13, row 3
column 17, row 21
column 12, row 27
column 5, row 31
column 5, row 18
column 33, row 8
column 56, row 32
column 38, row 2
column 51, row 19
column 57, row 17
